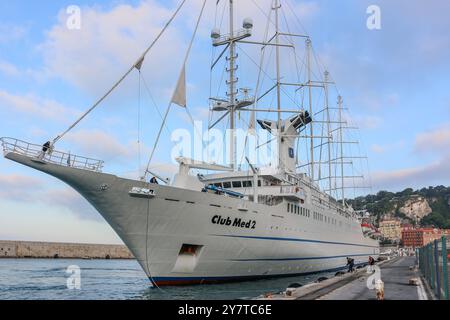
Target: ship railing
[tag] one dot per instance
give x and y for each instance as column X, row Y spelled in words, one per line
column 296, row 191
column 238, row 35
column 12, row 145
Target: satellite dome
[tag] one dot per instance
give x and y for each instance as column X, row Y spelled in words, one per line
column 248, row 23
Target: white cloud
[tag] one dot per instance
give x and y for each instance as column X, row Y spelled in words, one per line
column 109, row 42
column 9, row 69
column 378, row 149
column 35, row 191
column 71, row 200
column 365, row 122
column 44, row 223
column 436, row 141
column 15, row 186
column 98, row 144
column 437, row 172
column 395, row 146
column 33, row 105
column 9, row 33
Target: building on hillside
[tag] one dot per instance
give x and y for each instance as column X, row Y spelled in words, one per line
column 416, row 238
column 391, row 229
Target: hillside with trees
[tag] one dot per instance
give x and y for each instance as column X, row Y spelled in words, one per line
column 425, row 207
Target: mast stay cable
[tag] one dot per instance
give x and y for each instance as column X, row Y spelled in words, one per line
column 182, row 74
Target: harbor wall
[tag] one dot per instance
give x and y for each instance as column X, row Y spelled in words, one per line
column 26, row 249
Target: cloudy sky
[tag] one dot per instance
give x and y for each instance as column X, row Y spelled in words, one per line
column 395, row 81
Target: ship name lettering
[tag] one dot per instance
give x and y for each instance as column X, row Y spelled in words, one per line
column 237, row 222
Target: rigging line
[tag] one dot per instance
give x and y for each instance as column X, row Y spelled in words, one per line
column 182, row 70
column 284, row 91
column 282, row 35
column 292, row 42
column 154, row 102
column 136, row 65
column 252, row 120
column 296, row 17
column 139, row 125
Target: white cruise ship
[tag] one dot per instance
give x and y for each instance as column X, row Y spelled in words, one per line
column 221, row 222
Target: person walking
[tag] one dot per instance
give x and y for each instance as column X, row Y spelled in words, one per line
column 350, row 264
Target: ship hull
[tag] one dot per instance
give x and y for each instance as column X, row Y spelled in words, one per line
column 226, row 239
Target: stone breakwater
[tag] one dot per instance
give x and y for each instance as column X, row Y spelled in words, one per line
column 49, row 250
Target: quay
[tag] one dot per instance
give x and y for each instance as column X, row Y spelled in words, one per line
column 52, row 250
column 396, row 274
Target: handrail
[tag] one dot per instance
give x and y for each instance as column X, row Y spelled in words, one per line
column 12, row 145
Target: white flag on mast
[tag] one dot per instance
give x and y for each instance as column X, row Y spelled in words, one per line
column 179, row 96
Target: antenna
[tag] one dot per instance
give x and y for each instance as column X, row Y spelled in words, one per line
column 231, row 92
column 232, row 103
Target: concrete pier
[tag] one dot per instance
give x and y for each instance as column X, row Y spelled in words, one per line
column 25, row 249
column 395, row 274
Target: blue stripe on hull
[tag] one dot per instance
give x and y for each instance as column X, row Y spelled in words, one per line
column 304, row 258
column 295, row 240
column 182, row 281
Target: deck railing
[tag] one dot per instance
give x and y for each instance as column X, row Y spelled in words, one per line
column 51, row 156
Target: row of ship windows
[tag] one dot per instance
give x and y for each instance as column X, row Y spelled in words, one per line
column 236, row 184
column 292, row 208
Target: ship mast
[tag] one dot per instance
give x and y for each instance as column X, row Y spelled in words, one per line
column 231, row 87
column 308, row 49
column 277, row 42
column 326, row 75
column 342, row 149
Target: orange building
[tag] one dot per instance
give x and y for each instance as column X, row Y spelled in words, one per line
column 416, row 238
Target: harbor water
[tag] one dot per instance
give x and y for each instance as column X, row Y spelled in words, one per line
column 47, row 279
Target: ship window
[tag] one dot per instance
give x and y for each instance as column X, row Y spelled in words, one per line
column 246, row 184
column 218, row 185
column 237, row 184
column 259, row 183
column 227, row 185
column 289, row 207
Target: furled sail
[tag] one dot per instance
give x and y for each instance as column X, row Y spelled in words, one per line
column 179, row 96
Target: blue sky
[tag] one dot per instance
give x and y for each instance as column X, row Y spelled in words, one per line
column 394, row 80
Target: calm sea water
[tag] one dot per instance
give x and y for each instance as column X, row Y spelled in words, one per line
column 44, row 279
